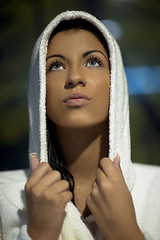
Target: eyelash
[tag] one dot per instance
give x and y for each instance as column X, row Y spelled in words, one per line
column 96, row 59
column 56, row 62
column 91, row 58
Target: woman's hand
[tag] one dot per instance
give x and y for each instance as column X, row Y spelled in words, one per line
column 46, row 197
column 111, row 203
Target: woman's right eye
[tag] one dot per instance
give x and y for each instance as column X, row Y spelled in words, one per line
column 55, row 66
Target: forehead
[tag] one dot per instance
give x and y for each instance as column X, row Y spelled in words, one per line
column 75, row 38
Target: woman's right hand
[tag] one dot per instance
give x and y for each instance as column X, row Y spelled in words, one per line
column 46, row 197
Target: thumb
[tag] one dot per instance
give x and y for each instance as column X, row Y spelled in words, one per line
column 34, row 161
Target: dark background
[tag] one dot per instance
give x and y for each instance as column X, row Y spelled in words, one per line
column 135, row 24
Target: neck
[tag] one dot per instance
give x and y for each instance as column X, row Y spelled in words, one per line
column 83, row 148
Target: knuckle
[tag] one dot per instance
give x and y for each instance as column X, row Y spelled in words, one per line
column 70, row 195
column 107, row 188
column 55, row 199
column 45, row 165
column 57, row 174
column 27, row 187
column 94, row 192
column 66, row 184
column 103, row 185
column 66, row 198
column 104, row 160
column 94, row 185
column 34, row 192
column 31, row 191
column 58, row 201
column 51, row 198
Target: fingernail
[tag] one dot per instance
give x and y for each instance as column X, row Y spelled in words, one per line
column 118, row 157
column 33, row 155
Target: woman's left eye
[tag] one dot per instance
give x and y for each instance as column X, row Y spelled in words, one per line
column 94, row 62
column 56, row 66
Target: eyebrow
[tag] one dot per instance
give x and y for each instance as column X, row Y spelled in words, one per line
column 55, row 55
column 84, row 55
column 92, row 51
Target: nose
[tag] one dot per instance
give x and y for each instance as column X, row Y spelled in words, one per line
column 75, row 77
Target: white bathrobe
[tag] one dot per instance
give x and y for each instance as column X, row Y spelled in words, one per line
column 142, row 180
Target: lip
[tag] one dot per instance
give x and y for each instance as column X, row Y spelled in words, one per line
column 76, row 99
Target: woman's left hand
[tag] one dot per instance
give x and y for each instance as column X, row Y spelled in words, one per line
column 111, row 203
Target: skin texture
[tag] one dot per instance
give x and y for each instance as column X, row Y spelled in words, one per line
column 82, row 132
column 77, row 74
column 46, row 197
column 110, row 193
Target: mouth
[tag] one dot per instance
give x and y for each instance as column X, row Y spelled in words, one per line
column 76, row 99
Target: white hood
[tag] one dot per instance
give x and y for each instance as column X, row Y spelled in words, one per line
column 119, row 131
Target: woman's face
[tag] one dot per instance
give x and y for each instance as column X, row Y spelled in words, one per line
column 78, row 80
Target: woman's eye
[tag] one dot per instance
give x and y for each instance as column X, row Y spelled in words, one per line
column 56, row 66
column 94, row 63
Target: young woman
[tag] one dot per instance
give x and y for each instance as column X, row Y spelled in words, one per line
column 82, row 184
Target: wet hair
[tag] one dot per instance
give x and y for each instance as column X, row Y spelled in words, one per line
column 55, row 154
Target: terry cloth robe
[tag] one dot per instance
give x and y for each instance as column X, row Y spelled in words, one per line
column 143, row 181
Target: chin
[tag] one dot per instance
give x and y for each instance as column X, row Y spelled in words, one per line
column 81, row 125
column 81, row 120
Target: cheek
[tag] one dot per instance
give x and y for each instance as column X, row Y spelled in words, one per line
column 52, row 101
column 102, row 96
column 105, row 93
column 103, row 106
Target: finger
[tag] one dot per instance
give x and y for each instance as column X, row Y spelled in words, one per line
column 107, row 167
column 38, row 173
column 59, row 187
column 48, row 180
column 34, row 161
column 103, row 182
column 67, row 196
column 100, row 176
column 116, row 163
column 92, row 205
column 94, row 192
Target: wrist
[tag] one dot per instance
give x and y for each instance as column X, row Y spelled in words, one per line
column 122, row 234
column 41, row 236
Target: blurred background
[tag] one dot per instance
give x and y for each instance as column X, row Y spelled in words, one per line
column 136, row 26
